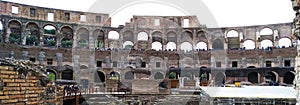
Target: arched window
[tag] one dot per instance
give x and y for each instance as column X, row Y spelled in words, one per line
column 14, row 31
column 171, row 45
column 266, row 31
column 82, row 38
column 232, row 33
column 201, row 46
column 128, row 45
column 249, row 44
column 49, row 36
column 67, row 74
column 67, row 37
column 218, row 44
column 266, row 43
column 288, row 78
column 253, row 77
column 157, row 46
column 113, row 35
column 142, row 36
column 99, row 76
column 158, row 75
column 186, row 46
column 220, row 79
column 284, row 42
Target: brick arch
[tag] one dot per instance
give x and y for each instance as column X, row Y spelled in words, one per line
column 185, row 38
column 128, row 36
column 18, row 21
column 99, row 76
column 171, row 36
column 289, row 77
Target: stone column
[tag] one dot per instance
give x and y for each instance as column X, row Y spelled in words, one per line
column 25, row 55
column 41, row 57
column 296, row 32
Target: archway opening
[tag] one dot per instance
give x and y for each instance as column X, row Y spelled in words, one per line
column 14, row 31
column 233, row 39
column 99, row 77
column 67, row 37
column 218, row 44
column 67, row 74
column 173, row 75
column 99, row 38
column 220, row 79
column 114, row 75
column 284, row 43
column 186, row 36
column 49, row 36
column 253, row 77
column 271, row 77
column 186, row 46
column 82, row 38
column 201, row 46
column 288, row 78
column 113, row 35
column 158, row 75
column 142, row 36
column 266, row 43
column 129, row 75
column 128, row 45
column 266, row 31
column 249, row 44
column 171, row 46
column 157, row 46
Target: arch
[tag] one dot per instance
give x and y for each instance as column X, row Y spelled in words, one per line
column 171, row 46
column 49, row 36
column 187, row 36
column 67, row 74
column 186, row 46
column 171, row 36
column 266, row 43
column 128, row 45
column 254, row 77
column 201, row 35
column 99, row 38
column 128, row 36
column 159, row 75
column 113, row 35
column 142, row 36
column 157, row 36
column 14, row 31
column 249, row 44
column 99, row 76
column 201, row 46
column 32, row 34
column 51, row 75
column 218, row 44
column 114, row 75
column 129, row 75
column 66, row 40
column 82, row 37
column 157, row 46
column 232, row 33
column 220, row 78
column 284, row 42
column 271, row 77
column 288, row 78
column 266, row 31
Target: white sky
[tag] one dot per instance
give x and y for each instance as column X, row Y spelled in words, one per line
column 226, row 12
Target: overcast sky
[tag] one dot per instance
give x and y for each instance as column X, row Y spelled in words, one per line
column 226, row 13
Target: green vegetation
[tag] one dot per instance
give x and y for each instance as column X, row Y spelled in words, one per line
column 51, row 76
column 14, row 38
column 172, row 75
column 66, row 43
column 51, row 31
column 31, row 40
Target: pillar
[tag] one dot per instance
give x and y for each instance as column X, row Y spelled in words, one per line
column 296, row 32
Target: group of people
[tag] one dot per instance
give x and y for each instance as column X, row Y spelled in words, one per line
column 69, row 89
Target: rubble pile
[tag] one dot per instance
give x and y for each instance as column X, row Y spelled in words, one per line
column 23, row 82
